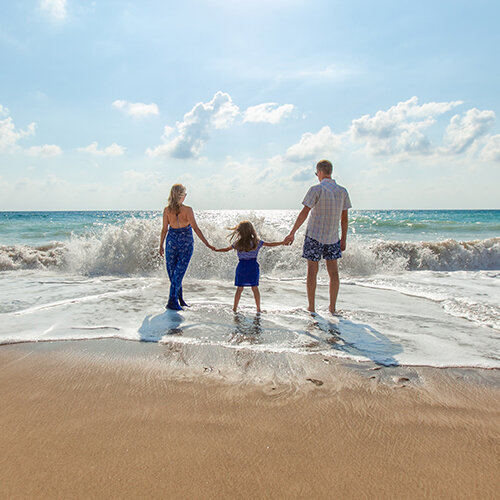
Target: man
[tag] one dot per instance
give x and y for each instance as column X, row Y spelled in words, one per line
column 328, row 203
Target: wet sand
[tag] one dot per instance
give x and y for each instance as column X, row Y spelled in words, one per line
column 78, row 421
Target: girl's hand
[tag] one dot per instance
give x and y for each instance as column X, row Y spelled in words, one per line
column 212, row 248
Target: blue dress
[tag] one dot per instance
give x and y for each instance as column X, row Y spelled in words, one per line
column 247, row 270
column 178, row 251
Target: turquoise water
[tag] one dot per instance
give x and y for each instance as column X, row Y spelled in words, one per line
column 40, row 228
column 417, row 287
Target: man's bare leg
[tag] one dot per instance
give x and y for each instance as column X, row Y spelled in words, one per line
column 333, row 272
column 312, row 273
column 237, row 296
column 256, row 296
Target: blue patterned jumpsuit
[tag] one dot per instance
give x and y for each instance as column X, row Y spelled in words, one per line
column 178, row 251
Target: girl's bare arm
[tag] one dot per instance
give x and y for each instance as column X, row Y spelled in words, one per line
column 273, row 243
column 227, row 249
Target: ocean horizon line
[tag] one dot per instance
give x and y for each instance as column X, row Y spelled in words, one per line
column 251, row 209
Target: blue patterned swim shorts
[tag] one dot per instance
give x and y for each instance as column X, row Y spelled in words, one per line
column 314, row 250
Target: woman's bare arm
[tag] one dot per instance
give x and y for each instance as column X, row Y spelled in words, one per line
column 196, row 229
column 164, row 230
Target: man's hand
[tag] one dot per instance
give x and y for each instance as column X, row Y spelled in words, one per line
column 289, row 239
column 343, row 244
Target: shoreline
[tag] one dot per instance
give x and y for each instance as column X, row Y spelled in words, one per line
column 108, row 419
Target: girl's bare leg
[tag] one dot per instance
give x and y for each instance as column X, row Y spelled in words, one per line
column 237, row 296
column 256, row 296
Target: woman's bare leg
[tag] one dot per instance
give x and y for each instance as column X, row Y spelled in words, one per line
column 256, row 296
column 237, row 296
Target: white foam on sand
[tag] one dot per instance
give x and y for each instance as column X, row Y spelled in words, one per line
column 386, row 325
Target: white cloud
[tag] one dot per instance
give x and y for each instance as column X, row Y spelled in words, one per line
column 55, row 9
column 311, row 146
column 8, row 133
column 302, row 174
column 194, row 130
column 491, row 150
column 46, row 150
column 399, row 129
column 186, row 139
column 268, row 112
column 463, row 131
column 112, row 150
column 136, row 109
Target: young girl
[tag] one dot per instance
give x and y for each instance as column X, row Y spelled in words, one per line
column 245, row 241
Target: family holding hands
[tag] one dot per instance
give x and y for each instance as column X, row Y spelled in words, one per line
column 327, row 204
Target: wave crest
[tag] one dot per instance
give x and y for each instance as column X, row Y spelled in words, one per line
column 132, row 249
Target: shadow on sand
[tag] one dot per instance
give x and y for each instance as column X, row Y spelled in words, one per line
column 153, row 328
column 246, row 329
column 355, row 339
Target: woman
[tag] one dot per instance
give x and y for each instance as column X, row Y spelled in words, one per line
column 179, row 221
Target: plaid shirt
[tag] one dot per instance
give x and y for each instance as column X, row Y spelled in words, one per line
column 327, row 201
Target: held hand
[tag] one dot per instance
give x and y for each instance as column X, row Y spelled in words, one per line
column 289, row 239
column 212, row 248
column 343, row 244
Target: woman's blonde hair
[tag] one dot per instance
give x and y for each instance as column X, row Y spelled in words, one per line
column 174, row 200
column 244, row 236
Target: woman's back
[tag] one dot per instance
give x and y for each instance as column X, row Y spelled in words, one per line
column 178, row 220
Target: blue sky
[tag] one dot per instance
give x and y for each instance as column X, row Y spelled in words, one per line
column 105, row 104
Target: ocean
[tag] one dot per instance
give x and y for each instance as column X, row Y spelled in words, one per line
column 418, row 287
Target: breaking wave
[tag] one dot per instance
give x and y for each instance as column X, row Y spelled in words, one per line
column 132, row 249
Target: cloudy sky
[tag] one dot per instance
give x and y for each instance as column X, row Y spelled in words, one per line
column 104, row 104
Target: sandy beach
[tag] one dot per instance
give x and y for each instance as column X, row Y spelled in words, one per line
column 104, row 419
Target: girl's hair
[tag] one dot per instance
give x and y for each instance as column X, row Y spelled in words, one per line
column 174, row 200
column 245, row 237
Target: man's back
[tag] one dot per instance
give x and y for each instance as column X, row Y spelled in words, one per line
column 327, row 200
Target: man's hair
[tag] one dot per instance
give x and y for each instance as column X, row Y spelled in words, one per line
column 325, row 166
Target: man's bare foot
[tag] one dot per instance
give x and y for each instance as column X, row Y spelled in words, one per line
column 334, row 311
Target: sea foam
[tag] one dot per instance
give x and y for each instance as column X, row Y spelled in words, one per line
column 132, row 249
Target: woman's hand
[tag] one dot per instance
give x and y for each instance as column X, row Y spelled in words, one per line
column 162, row 251
column 212, row 248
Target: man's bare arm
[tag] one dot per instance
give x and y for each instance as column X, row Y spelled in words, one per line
column 298, row 222
column 344, row 224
